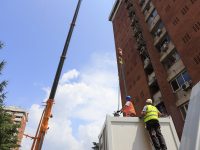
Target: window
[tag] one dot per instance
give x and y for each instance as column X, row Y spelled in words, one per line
column 180, row 80
column 152, row 16
column 161, row 107
column 175, row 85
column 163, row 45
column 183, row 108
column 186, row 76
column 175, row 21
column 184, row 10
column 147, row 7
column 197, row 59
column 149, row 20
column 154, row 13
column 196, row 26
column 171, row 60
column 158, row 30
column 18, row 116
column 186, row 38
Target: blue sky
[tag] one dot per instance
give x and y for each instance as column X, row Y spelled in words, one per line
column 34, row 34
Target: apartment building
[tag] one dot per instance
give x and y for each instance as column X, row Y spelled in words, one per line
column 160, row 42
column 19, row 116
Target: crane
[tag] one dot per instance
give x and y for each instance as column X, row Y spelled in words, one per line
column 43, row 124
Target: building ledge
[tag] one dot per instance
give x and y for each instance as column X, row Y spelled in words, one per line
column 175, row 69
column 182, row 96
column 169, row 50
column 157, row 39
column 147, row 15
column 154, row 23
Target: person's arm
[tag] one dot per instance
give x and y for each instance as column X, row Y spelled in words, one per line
column 143, row 113
column 161, row 114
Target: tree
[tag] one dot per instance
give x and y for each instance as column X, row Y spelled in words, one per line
column 8, row 129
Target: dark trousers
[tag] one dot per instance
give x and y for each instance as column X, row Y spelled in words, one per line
column 157, row 138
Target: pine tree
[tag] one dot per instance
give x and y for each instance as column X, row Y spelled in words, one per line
column 8, row 129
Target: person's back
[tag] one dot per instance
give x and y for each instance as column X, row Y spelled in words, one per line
column 151, row 114
column 128, row 109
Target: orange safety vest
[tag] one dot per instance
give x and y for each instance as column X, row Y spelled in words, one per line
column 129, row 110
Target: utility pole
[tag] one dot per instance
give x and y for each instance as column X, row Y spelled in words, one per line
column 43, row 125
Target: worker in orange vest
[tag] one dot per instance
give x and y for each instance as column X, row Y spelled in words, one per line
column 128, row 109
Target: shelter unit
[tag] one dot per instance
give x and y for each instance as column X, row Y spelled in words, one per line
column 129, row 133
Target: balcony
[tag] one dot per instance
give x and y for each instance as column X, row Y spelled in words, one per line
column 157, row 97
column 145, row 5
column 146, row 62
column 148, row 13
column 182, row 96
column 164, row 54
column 159, row 36
column 18, row 119
column 19, row 114
column 151, row 78
column 154, row 23
column 175, row 69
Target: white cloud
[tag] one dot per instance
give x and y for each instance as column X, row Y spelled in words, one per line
column 82, row 101
column 72, row 74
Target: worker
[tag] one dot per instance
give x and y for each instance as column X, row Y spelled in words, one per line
column 128, row 109
column 151, row 114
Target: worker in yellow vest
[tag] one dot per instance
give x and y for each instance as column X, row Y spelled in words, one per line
column 151, row 114
column 128, row 109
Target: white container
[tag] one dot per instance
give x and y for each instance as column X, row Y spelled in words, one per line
column 129, row 133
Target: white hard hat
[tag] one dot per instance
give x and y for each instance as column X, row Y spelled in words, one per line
column 149, row 101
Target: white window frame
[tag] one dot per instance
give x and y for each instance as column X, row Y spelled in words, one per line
column 181, row 74
column 185, row 109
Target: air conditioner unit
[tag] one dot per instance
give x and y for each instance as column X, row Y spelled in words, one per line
column 158, row 32
column 165, row 47
column 186, row 85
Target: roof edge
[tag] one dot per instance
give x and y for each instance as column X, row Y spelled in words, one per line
column 114, row 9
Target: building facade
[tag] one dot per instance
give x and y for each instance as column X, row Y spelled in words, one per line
column 19, row 116
column 158, row 52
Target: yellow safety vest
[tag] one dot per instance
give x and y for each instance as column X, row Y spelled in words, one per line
column 151, row 113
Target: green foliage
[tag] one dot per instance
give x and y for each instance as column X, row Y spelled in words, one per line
column 8, row 129
column 8, row 132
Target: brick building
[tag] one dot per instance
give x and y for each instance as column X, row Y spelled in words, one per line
column 160, row 42
column 19, row 116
